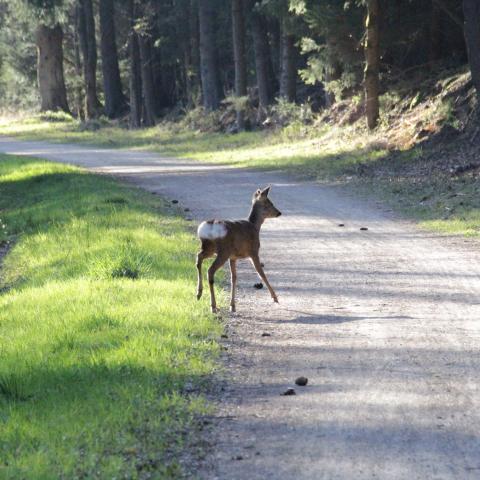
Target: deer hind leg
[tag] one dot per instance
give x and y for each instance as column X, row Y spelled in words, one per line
column 233, row 278
column 217, row 263
column 207, row 251
column 200, row 257
column 261, row 273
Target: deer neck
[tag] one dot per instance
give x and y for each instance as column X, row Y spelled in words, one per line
column 256, row 216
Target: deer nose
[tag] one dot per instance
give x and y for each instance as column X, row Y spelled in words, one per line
column 279, row 213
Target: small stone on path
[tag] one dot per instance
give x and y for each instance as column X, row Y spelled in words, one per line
column 301, row 381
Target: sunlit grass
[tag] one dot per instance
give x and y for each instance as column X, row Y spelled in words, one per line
column 313, row 152
column 100, row 331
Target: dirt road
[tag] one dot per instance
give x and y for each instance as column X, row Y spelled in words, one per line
column 385, row 324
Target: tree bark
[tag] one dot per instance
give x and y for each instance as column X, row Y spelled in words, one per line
column 333, row 70
column 193, row 81
column 372, row 64
column 238, row 29
column 135, row 72
column 208, row 57
column 88, row 46
column 51, row 81
column 435, row 43
column 115, row 101
column 263, row 63
column 145, row 48
column 288, row 70
column 78, row 91
column 471, row 12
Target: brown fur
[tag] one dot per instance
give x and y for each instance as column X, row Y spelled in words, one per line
column 241, row 241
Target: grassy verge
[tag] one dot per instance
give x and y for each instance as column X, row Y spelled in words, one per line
column 102, row 345
column 443, row 203
column 447, row 205
column 323, row 153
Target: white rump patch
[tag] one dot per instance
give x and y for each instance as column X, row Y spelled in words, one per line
column 211, row 231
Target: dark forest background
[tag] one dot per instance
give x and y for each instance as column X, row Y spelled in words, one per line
column 143, row 61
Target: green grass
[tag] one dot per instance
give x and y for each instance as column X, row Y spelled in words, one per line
column 447, row 205
column 303, row 151
column 101, row 337
column 324, row 153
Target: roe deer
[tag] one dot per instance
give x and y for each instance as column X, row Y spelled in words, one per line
column 232, row 240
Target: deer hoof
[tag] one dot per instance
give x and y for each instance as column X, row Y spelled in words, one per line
column 233, row 309
column 199, row 295
column 214, row 310
column 275, row 299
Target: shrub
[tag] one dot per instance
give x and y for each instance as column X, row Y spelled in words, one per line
column 58, row 116
column 286, row 113
column 199, row 119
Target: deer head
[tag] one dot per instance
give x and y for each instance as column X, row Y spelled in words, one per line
column 263, row 205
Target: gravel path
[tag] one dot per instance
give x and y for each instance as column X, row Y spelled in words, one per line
column 384, row 323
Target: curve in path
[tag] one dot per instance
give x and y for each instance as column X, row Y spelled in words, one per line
column 384, row 323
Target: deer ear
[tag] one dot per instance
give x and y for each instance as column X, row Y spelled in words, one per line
column 265, row 191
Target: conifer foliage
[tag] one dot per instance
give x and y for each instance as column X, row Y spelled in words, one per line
column 144, row 59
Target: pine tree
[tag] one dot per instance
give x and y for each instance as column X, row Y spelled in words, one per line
column 115, row 101
column 208, row 56
column 471, row 10
column 88, row 47
column 51, row 82
column 238, row 29
column 372, row 63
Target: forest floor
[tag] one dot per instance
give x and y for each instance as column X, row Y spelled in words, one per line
column 98, row 378
column 383, row 322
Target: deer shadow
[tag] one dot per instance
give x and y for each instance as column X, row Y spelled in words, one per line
column 331, row 319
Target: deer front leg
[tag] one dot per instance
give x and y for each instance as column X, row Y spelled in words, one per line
column 217, row 263
column 261, row 273
column 233, row 286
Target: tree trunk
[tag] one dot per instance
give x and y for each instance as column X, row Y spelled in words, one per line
column 263, row 63
column 78, row 91
column 329, row 96
column 88, row 45
column 333, row 70
column 208, row 57
column 115, row 101
column 238, row 29
column 145, row 48
column 51, row 81
column 372, row 64
column 135, row 72
column 435, row 43
column 276, row 49
column 193, row 81
column 471, row 12
column 288, row 70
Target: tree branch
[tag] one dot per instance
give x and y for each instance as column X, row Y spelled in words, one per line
column 456, row 19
